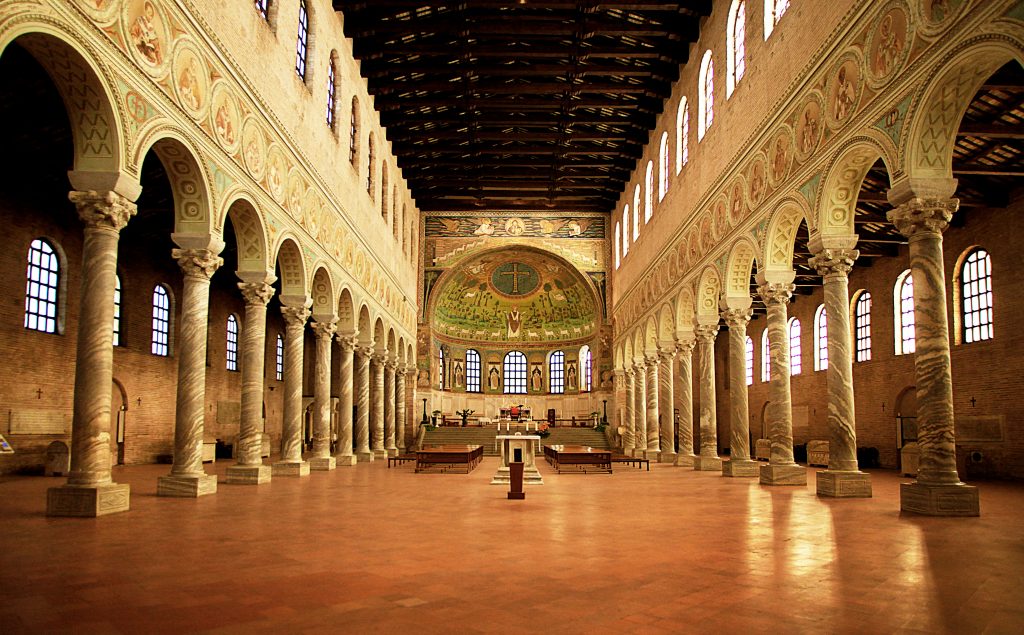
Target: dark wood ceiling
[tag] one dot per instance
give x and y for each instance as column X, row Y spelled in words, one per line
column 528, row 105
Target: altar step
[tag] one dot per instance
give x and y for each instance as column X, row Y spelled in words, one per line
column 485, row 437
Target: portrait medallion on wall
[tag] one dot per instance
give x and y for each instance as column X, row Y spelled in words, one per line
column 191, row 82
column 809, row 128
column 888, row 48
column 277, row 172
column 938, row 14
column 254, row 148
column 780, row 153
column 145, row 32
column 224, row 118
column 844, row 91
column 756, row 181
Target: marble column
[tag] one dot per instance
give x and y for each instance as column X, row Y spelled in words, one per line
column 401, row 416
column 362, row 430
column 640, row 410
column 653, row 421
column 389, row 408
column 291, row 463
column 377, row 407
column 843, row 478
column 628, row 440
column 708, row 459
column 187, row 478
column 249, row 468
column 666, row 404
column 684, row 401
column 781, row 468
column 739, row 463
column 320, row 457
column 343, row 454
column 89, row 490
column 938, row 490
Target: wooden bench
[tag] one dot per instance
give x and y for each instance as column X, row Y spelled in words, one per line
column 401, row 458
column 636, row 461
column 817, row 453
column 580, row 458
column 449, row 457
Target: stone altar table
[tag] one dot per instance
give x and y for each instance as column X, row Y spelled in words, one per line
column 527, row 443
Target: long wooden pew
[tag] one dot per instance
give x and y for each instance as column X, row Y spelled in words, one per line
column 578, row 458
column 449, row 457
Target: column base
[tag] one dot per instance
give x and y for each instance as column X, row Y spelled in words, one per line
column 322, row 464
column 844, row 484
column 346, row 459
column 667, row 457
column 364, row 457
column 707, row 464
column 652, row 455
column 87, row 501
column 380, row 454
column 938, row 500
column 774, row 474
column 392, row 451
column 684, row 460
column 741, row 468
column 290, row 468
column 639, row 453
column 248, row 474
column 186, row 486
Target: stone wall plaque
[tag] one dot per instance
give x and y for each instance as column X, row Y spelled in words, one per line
column 38, row 421
column 229, row 412
column 979, row 428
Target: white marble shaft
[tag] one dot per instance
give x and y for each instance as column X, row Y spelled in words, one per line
column 295, row 318
column 104, row 214
column 254, row 332
column 834, row 265
column 362, row 428
column 401, row 411
column 628, row 441
column 323, row 330
column 706, row 384
column 640, row 410
column 197, row 266
column 347, row 344
column 684, row 402
column 653, row 421
column 922, row 221
column 377, row 406
column 779, row 412
column 666, row 403
column 739, row 411
column 389, row 408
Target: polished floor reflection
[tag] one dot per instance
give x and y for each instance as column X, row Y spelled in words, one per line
column 368, row 549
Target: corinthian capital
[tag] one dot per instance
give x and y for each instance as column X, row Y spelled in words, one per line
column 776, row 292
column 346, row 342
column 737, row 318
column 923, row 215
column 834, row 262
column 325, row 327
column 256, row 293
column 104, row 210
column 706, row 332
column 197, row 263
column 295, row 316
column 685, row 347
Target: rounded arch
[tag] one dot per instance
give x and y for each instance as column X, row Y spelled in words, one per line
column 322, row 291
column 685, row 312
column 379, row 336
column 666, row 325
column 346, row 311
column 291, row 265
column 739, row 266
column 945, row 97
column 843, row 178
column 708, row 289
column 783, row 225
column 190, row 184
column 250, row 233
column 410, row 355
column 638, row 345
column 651, row 336
column 392, row 344
column 365, row 327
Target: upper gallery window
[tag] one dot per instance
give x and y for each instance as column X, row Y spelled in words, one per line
column 750, row 360
column 820, row 339
column 766, row 362
column 353, row 133
column 263, row 8
column 736, row 46
column 649, row 192
column 795, row 362
column 301, row 44
column 682, row 134
column 618, row 245
column 117, row 310
column 231, row 343
column 331, row 85
column 625, row 230
column 706, row 101
column 161, row 321
column 903, row 294
column 636, row 212
column 773, row 12
column 279, row 358
column 663, row 172
column 41, row 285
column 976, row 296
column 862, row 327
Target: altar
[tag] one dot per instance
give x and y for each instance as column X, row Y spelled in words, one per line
column 527, row 446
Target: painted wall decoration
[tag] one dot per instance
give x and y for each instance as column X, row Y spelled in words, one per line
column 514, row 226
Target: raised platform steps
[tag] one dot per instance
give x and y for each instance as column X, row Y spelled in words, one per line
column 485, row 436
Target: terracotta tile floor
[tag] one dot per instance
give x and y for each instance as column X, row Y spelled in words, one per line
column 368, row 549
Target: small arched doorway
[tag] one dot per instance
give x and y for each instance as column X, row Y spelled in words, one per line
column 906, row 421
column 118, row 421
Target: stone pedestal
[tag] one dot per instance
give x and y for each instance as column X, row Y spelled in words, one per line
column 707, row 463
column 842, row 484
column 186, row 486
column 347, row 459
column 741, row 468
column 940, row 500
column 778, row 474
column 364, row 457
column 87, row 501
column 290, row 468
column 684, row 460
column 527, row 444
column 380, row 453
column 667, row 457
column 323, row 463
column 248, row 474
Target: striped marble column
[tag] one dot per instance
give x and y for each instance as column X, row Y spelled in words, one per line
column 389, row 408
column 362, row 388
column 320, row 457
column 653, row 415
column 628, row 440
column 640, row 410
column 708, row 459
column 291, row 463
column 781, row 468
column 937, row 490
column 187, row 478
column 377, row 406
column 401, row 410
column 249, row 468
column 842, row 479
column 739, row 463
column 666, row 405
column 684, row 403
column 89, row 490
column 343, row 454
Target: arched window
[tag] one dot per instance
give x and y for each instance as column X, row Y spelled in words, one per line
column 820, row 339
column 369, row 168
column 331, row 84
column 161, row 343
column 766, row 362
column 263, row 8
column 976, row 296
column 636, row 212
column 587, row 364
column 556, row 372
column 625, row 230
column 735, row 46
column 682, row 134
column 117, row 310
column 750, row 360
column 231, row 343
column 394, row 213
column 649, row 192
column 41, row 286
column 663, row 172
column 862, row 327
column 353, row 134
column 384, row 191
column 279, row 358
column 773, row 12
column 303, row 40
column 618, row 245
column 515, row 373
column 795, row 363
column 903, row 300
column 472, row 371
column 706, row 95
column 440, row 368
